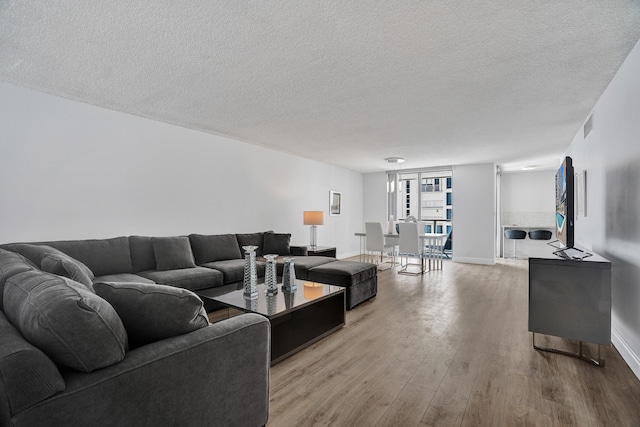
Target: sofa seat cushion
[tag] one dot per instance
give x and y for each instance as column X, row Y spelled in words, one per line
column 233, row 269
column 209, row 248
column 187, row 278
column 343, row 273
column 172, row 253
column 72, row 325
column 65, row 266
column 152, row 312
column 303, row 263
column 11, row 264
column 122, row 277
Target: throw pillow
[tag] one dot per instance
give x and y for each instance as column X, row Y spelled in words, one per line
column 63, row 265
column 172, row 253
column 253, row 239
column 209, row 248
column 278, row 244
column 72, row 325
column 152, row 312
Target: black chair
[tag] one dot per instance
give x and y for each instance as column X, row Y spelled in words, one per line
column 540, row 235
column 448, row 245
column 514, row 234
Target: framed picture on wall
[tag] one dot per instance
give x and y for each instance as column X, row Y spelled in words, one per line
column 335, row 203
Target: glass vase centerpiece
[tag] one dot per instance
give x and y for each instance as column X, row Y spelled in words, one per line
column 271, row 275
column 250, row 272
column 289, row 276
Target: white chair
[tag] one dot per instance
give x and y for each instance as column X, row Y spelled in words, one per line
column 410, row 246
column 375, row 242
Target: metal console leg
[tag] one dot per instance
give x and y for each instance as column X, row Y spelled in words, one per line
column 598, row 362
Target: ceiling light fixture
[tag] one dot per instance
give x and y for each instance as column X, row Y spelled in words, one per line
column 528, row 168
column 394, row 160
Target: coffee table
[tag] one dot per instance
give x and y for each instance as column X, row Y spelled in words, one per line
column 298, row 319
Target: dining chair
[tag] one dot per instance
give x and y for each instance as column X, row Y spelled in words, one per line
column 375, row 243
column 410, row 247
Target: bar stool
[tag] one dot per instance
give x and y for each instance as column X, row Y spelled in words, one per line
column 540, row 235
column 514, row 234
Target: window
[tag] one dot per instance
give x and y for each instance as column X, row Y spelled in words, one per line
column 449, row 214
column 423, row 194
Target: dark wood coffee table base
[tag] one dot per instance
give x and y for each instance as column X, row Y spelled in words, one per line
column 297, row 319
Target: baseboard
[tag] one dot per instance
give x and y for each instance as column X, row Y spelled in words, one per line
column 343, row 255
column 466, row 260
column 626, row 352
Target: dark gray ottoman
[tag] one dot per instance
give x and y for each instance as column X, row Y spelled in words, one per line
column 303, row 264
column 359, row 278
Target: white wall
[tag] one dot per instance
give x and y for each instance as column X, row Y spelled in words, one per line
column 611, row 157
column 375, row 199
column 69, row 170
column 528, row 200
column 474, row 213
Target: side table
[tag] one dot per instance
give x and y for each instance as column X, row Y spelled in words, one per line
column 329, row 251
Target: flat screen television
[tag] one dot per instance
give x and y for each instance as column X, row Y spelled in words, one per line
column 564, row 203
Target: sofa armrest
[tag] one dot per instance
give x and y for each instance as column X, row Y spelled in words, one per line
column 299, row 250
column 27, row 375
column 217, row 375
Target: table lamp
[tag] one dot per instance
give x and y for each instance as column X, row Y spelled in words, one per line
column 313, row 218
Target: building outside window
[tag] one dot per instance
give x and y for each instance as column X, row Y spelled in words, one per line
column 425, row 195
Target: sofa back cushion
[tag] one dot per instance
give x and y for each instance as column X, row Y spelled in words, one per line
column 11, row 264
column 72, row 325
column 152, row 312
column 209, row 248
column 63, row 265
column 278, row 244
column 32, row 251
column 252, row 239
column 142, row 256
column 172, row 253
column 55, row 261
column 102, row 256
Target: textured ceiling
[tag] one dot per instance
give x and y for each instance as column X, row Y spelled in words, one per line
column 343, row 82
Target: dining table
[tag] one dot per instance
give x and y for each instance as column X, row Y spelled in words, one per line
column 432, row 244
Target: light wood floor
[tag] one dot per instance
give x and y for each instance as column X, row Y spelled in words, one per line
column 450, row 348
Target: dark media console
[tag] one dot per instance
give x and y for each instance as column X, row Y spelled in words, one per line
column 571, row 298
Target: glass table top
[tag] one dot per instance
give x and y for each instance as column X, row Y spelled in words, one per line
column 307, row 293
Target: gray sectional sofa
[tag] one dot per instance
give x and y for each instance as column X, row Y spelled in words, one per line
column 91, row 335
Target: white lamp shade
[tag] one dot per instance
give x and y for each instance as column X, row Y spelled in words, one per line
column 313, row 217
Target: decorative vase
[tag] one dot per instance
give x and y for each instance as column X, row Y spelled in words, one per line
column 272, row 304
column 250, row 273
column 289, row 276
column 289, row 299
column 271, row 275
